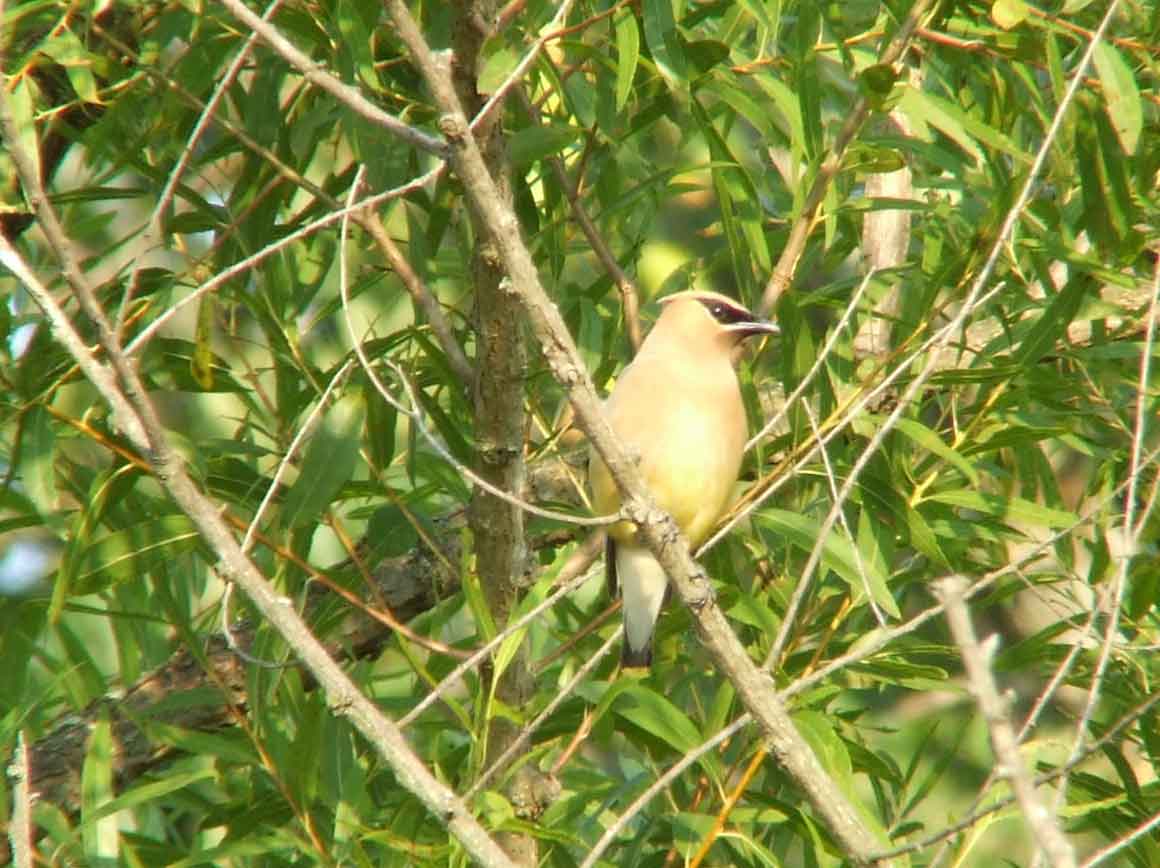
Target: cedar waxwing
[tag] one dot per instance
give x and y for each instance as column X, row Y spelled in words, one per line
column 677, row 407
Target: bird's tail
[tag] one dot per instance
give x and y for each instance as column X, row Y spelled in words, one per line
column 643, row 584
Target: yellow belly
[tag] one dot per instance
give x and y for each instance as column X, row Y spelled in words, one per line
column 689, row 458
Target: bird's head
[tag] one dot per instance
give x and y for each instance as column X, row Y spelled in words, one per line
column 705, row 321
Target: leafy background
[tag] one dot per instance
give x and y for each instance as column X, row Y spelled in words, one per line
column 688, row 136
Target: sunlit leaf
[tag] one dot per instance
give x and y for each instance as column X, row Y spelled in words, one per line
column 1121, row 95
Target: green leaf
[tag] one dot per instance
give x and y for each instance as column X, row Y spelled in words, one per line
column 150, row 791
column 837, row 554
column 1009, row 14
column 664, row 44
column 37, row 454
column 1055, row 319
column 329, row 462
column 876, row 83
column 706, row 54
column 99, row 837
column 657, row 716
column 66, row 49
column 1014, row 509
column 133, row 552
column 22, row 105
column 496, row 68
column 627, row 54
column 966, row 130
column 534, row 143
column 931, row 442
column 1121, row 94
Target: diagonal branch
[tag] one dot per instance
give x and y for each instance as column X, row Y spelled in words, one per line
column 976, row 659
column 657, row 529
column 344, row 93
column 135, row 414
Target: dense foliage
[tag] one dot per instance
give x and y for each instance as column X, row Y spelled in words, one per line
column 996, row 420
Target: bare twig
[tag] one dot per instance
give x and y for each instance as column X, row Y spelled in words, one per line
column 344, row 93
column 977, row 663
column 525, row 733
column 20, row 826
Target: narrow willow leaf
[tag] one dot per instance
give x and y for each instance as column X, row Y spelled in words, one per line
column 1009, row 14
column 37, row 454
column 1121, row 95
column 1015, row 509
column 1055, row 320
column 535, row 143
column 98, row 836
column 328, row 464
column 657, row 716
column 931, row 442
column 67, row 49
column 837, row 554
column 150, row 791
column 660, row 33
column 22, row 105
column 967, row 131
column 201, row 366
column 496, row 68
column 132, row 552
column 627, row 54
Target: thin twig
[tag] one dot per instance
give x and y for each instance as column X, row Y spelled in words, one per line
column 529, row 728
column 344, row 93
column 977, row 663
column 20, row 826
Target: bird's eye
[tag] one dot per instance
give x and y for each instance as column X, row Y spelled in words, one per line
column 719, row 311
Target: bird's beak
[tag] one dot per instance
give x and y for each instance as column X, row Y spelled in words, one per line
column 756, row 327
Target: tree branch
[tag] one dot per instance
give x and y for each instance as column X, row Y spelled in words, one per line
column 135, row 414
column 977, row 663
column 344, row 93
column 656, row 528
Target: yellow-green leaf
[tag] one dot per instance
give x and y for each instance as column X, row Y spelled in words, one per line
column 1009, row 14
column 1121, row 95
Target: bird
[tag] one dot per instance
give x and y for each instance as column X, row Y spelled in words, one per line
column 677, row 408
